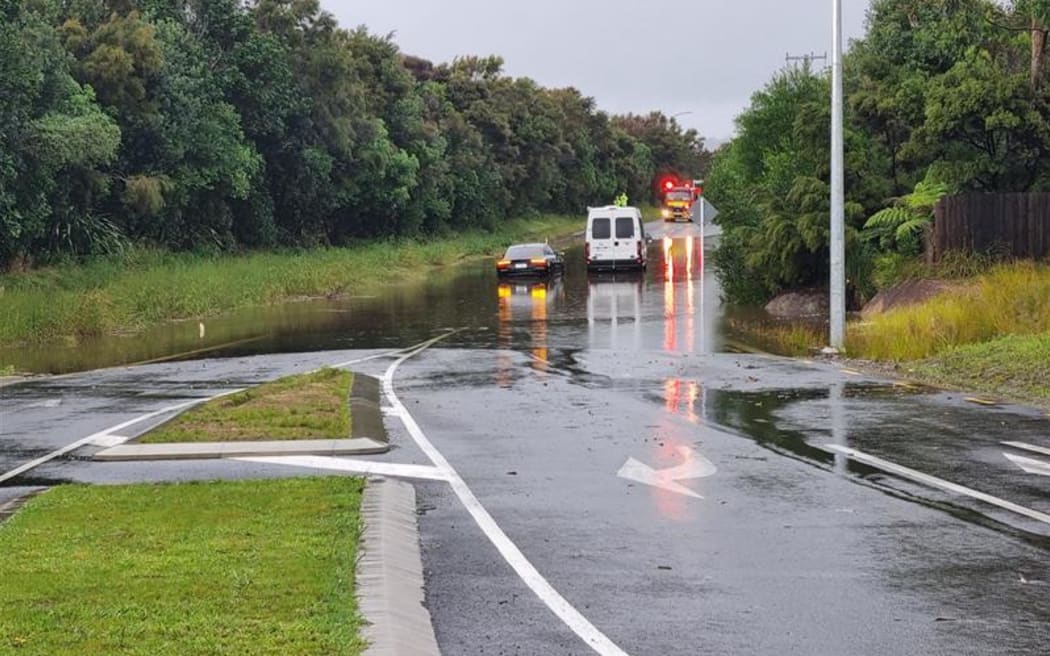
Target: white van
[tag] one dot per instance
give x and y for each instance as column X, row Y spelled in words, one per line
column 616, row 238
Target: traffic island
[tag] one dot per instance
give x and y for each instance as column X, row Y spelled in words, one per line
column 247, row 567
column 330, row 412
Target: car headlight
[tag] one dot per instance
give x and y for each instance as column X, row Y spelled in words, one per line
column 665, row 212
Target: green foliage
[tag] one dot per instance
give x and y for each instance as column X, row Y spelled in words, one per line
column 940, row 97
column 1011, row 299
column 902, row 224
column 221, row 124
column 248, row 567
column 304, row 407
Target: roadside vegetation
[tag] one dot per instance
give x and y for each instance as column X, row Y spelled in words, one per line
column 941, row 98
column 1010, row 299
column 224, row 125
column 144, row 287
column 304, row 407
column 253, row 567
column 1012, row 367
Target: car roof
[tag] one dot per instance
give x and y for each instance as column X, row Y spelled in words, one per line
column 533, row 245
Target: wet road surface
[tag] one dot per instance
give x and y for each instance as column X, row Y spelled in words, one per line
column 550, row 390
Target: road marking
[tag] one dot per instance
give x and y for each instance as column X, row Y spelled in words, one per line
column 851, row 372
column 350, row 465
column 695, row 466
column 1030, row 465
column 933, row 481
column 33, row 464
column 1042, row 450
column 105, row 435
column 528, row 573
column 107, row 441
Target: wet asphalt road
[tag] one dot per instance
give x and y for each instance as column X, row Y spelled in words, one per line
column 552, row 388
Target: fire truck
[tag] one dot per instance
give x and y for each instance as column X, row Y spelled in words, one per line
column 678, row 198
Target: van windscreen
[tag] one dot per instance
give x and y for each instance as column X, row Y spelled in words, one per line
column 601, row 229
column 624, row 227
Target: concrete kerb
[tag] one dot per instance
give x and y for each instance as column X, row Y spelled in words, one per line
column 390, row 584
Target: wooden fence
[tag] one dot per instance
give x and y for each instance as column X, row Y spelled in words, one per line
column 1011, row 225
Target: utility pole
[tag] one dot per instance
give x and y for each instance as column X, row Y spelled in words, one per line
column 806, row 60
column 838, row 190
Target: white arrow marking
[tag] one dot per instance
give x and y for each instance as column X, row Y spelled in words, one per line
column 1030, row 465
column 1029, row 447
column 695, row 466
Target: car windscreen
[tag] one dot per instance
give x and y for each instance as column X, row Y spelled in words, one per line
column 524, row 252
column 624, row 227
column 679, row 195
column 601, row 229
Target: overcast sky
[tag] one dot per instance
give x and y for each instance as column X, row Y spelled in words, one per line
column 706, row 57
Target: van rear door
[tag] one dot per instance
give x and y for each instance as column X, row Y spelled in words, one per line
column 601, row 238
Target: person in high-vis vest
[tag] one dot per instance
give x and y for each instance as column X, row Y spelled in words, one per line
column 621, row 200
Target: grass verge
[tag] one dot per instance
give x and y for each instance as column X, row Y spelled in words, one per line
column 255, row 567
column 1010, row 299
column 309, row 406
column 1010, row 367
column 144, row 287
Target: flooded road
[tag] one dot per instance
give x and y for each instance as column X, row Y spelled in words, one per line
column 673, row 306
column 681, row 496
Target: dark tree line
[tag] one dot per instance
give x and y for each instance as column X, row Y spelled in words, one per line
column 217, row 124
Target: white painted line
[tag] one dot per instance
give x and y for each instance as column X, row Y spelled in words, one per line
column 528, row 573
column 90, row 439
column 107, row 441
column 377, row 356
column 1029, row 447
column 1030, row 465
column 396, row 470
column 105, row 435
column 390, row 412
column 933, row 481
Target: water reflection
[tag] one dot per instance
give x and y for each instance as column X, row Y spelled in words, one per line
column 683, row 293
column 612, row 300
column 526, row 305
column 671, row 307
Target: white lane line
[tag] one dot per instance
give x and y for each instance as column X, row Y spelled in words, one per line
column 528, row 573
column 108, row 434
column 1030, row 465
column 350, row 465
column 1029, row 447
column 107, row 441
column 377, row 356
column 933, row 481
column 33, row 464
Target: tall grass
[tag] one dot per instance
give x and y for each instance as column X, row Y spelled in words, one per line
column 1010, row 299
column 146, row 287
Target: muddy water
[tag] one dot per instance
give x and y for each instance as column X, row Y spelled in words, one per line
column 673, row 306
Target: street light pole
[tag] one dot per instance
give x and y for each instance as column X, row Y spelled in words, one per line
column 838, row 190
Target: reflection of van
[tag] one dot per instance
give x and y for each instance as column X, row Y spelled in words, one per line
column 615, row 238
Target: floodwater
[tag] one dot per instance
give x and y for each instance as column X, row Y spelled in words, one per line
column 674, row 306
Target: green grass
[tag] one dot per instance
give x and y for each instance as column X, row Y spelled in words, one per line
column 309, row 406
column 9, row 370
column 144, row 287
column 1011, row 367
column 1010, row 299
column 256, row 567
